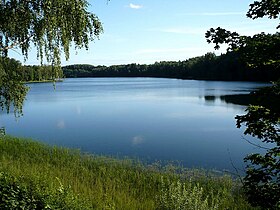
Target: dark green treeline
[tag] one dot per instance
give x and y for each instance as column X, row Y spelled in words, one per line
column 13, row 69
column 39, row 73
column 227, row 67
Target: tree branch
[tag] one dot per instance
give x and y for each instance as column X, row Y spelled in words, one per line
column 15, row 44
column 256, row 145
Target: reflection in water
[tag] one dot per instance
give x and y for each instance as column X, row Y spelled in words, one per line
column 210, row 99
column 2, row 131
column 78, row 110
column 159, row 119
column 60, row 124
column 137, row 140
column 238, row 99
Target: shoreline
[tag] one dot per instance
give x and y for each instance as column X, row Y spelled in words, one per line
column 43, row 81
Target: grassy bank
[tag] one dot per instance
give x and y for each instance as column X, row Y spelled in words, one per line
column 60, row 178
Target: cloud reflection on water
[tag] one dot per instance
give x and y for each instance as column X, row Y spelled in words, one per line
column 137, row 140
column 60, row 124
column 78, row 110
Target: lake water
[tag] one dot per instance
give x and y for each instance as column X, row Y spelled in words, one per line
column 146, row 118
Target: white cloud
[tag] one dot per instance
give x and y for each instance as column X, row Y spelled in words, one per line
column 170, row 50
column 135, row 6
column 246, row 27
column 184, row 30
column 250, row 28
column 222, row 13
column 215, row 14
column 197, row 30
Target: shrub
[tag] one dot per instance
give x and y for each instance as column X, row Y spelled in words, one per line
column 184, row 196
column 21, row 193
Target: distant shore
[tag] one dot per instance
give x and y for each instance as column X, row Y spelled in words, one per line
column 43, row 81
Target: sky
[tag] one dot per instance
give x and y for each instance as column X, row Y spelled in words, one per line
column 148, row 31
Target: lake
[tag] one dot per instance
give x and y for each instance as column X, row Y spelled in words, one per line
column 146, row 118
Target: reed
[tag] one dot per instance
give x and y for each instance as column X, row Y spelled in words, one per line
column 84, row 181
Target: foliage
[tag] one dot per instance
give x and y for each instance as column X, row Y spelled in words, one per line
column 52, row 26
column 39, row 73
column 226, row 67
column 262, row 180
column 259, row 9
column 12, row 81
column 12, row 91
column 98, row 182
column 257, row 51
column 22, row 193
column 178, row 195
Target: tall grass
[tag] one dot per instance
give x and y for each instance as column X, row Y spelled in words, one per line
column 85, row 181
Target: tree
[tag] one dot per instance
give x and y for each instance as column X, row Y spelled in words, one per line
column 52, row 26
column 12, row 91
column 269, row 8
column 262, row 180
column 258, row 50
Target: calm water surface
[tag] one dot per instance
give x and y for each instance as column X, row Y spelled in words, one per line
column 147, row 118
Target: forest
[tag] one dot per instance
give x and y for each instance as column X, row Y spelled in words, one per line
column 34, row 176
column 226, row 67
column 31, row 73
column 39, row 73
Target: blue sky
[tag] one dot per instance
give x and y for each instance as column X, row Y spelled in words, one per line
column 145, row 31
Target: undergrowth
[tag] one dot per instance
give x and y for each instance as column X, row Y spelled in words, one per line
column 37, row 176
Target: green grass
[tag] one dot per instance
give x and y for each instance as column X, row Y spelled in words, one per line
column 61, row 178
